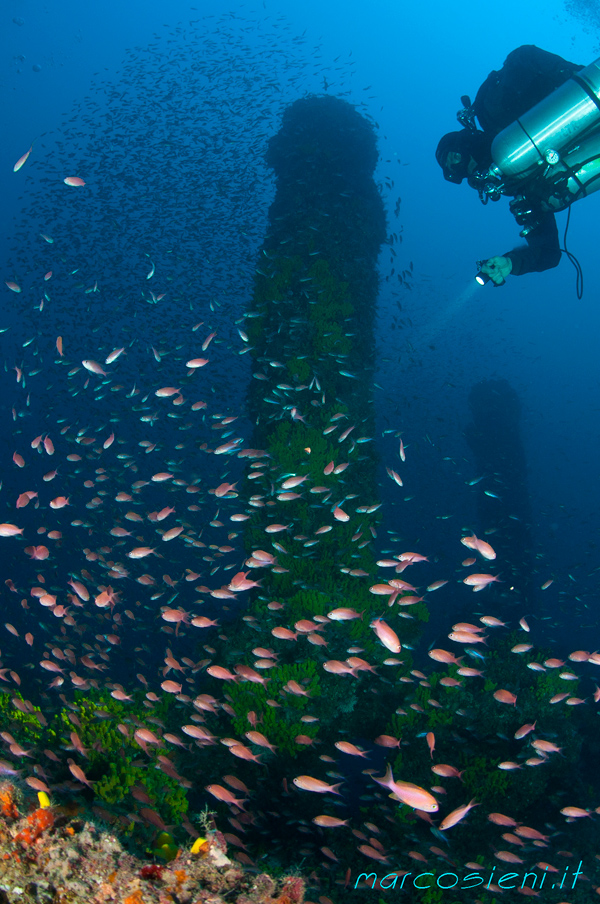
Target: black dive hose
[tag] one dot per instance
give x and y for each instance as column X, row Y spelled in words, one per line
column 573, row 259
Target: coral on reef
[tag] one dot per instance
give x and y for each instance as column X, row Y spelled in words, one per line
column 51, row 856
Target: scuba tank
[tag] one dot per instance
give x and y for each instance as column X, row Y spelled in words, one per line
column 576, row 175
column 559, row 137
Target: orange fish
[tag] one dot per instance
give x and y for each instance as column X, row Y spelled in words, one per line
column 114, row 355
column 480, row 580
column 329, row 822
column 308, row 783
column 444, row 656
column 386, row 635
column 480, row 546
column 340, row 515
column 171, row 687
column 10, row 530
column 225, row 796
column 239, row 582
column 172, row 533
column 223, row 674
column 166, row 392
column 25, row 498
column 446, row 771
column 524, row 730
column 504, row 696
column 207, row 341
column 78, row 773
column 456, row 816
column 371, row 852
column 59, row 502
column 409, row 794
column 430, row 738
column 351, row 749
column 140, row 552
column 196, row 363
column 37, row 552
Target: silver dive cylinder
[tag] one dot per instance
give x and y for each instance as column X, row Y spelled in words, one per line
column 576, row 175
column 558, row 122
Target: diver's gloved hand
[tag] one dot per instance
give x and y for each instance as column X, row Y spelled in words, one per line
column 497, row 268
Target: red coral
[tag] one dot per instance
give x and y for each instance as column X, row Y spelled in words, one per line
column 39, row 821
column 8, row 806
column 151, row 871
column 293, row 888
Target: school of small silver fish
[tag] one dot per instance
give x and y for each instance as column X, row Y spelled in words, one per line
column 125, row 442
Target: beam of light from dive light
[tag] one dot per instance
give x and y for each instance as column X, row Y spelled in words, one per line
column 447, row 313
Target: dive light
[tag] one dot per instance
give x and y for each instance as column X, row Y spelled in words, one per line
column 482, row 278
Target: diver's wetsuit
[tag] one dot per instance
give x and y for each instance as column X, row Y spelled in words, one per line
column 528, row 76
column 542, row 251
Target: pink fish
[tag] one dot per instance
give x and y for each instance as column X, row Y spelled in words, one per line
column 221, row 673
column 480, row 546
column 239, row 582
column 140, row 552
column 25, row 498
column 256, row 737
column 59, row 502
column 308, row 783
column 78, row 773
column 225, row 796
column 10, row 530
column 446, row 771
column 480, row 580
column 94, row 367
column 351, row 749
column 292, row 482
column 201, row 621
column 171, row 687
column 386, row 635
column 456, row 816
column 22, row 160
column 244, row 753
column 409, row 794
column 504, row 696
column 196, row 363
column 207, row 341
column 283, row 634
column 114, row 355
column 37, row 552
column 172, row 533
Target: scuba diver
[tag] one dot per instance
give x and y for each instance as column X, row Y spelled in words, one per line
column 539, row 142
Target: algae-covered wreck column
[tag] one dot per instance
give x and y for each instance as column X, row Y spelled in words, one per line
column 313, row 494
column 316, row 283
